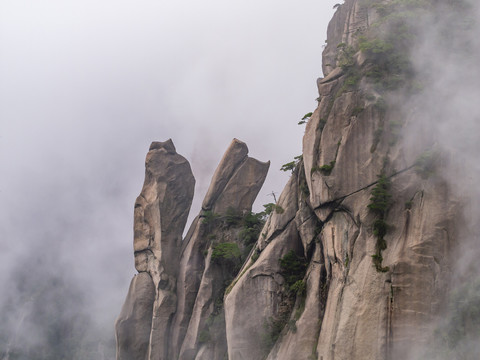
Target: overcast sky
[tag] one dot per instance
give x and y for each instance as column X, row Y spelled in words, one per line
column 85, row 86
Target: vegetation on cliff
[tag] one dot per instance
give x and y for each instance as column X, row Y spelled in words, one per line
column 298, row 295
column 379, row 204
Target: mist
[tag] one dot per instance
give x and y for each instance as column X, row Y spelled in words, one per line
column 85, row 87
column 444, row 121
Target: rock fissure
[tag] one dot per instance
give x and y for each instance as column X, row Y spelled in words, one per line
column 266, row 275
column 145, row 251
column 179, row 305
column 343, row 197
column 278, row 232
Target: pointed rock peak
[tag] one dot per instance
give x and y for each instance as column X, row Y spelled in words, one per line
column 166, row 145
column 237, row 141
column 237, row 151
column 162, row 208
column 235, row 155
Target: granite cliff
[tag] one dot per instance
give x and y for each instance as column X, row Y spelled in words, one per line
column 353, row 259
column 180, row 285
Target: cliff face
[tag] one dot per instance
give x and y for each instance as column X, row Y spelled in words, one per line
column 355, row 255
column 176, row 297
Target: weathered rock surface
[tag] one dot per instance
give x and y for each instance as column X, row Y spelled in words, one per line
column 235, row 185
column 161, row 211
column 359, row 312
column 350, row 309
column 235, row 155
column 248, row 336
column 174, row 304
column 347, row 292
column 135, row 320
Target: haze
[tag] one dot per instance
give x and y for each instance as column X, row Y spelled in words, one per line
column 85, row 86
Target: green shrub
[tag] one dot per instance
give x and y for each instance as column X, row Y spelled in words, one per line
column 209, row 216
column 254, row 220
column 298, row 287
column 290, row 166
column 377, row 262
column 293, row 269
column 381, row 198
column 380, row 228
column 225, row 251
column 352, row 79
column 375, row 46
column 379, row 204
column 227, row 255
column 249, row 235
column 305, row 118
column 327, row 169
column 252, row 226
column 233, row 217
column 308, row 115
column 324, row 169
column 345, row 57
column 271, row 207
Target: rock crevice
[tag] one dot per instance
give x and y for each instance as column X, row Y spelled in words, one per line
column 340, row 270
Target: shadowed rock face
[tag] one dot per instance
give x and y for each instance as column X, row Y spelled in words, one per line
column 135, row 320
column 320, row 283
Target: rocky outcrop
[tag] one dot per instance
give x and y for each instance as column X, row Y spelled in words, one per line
column 353, row 259
column 161, row 211
column 235, row 185
column 366, row 296
column 174, row 300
